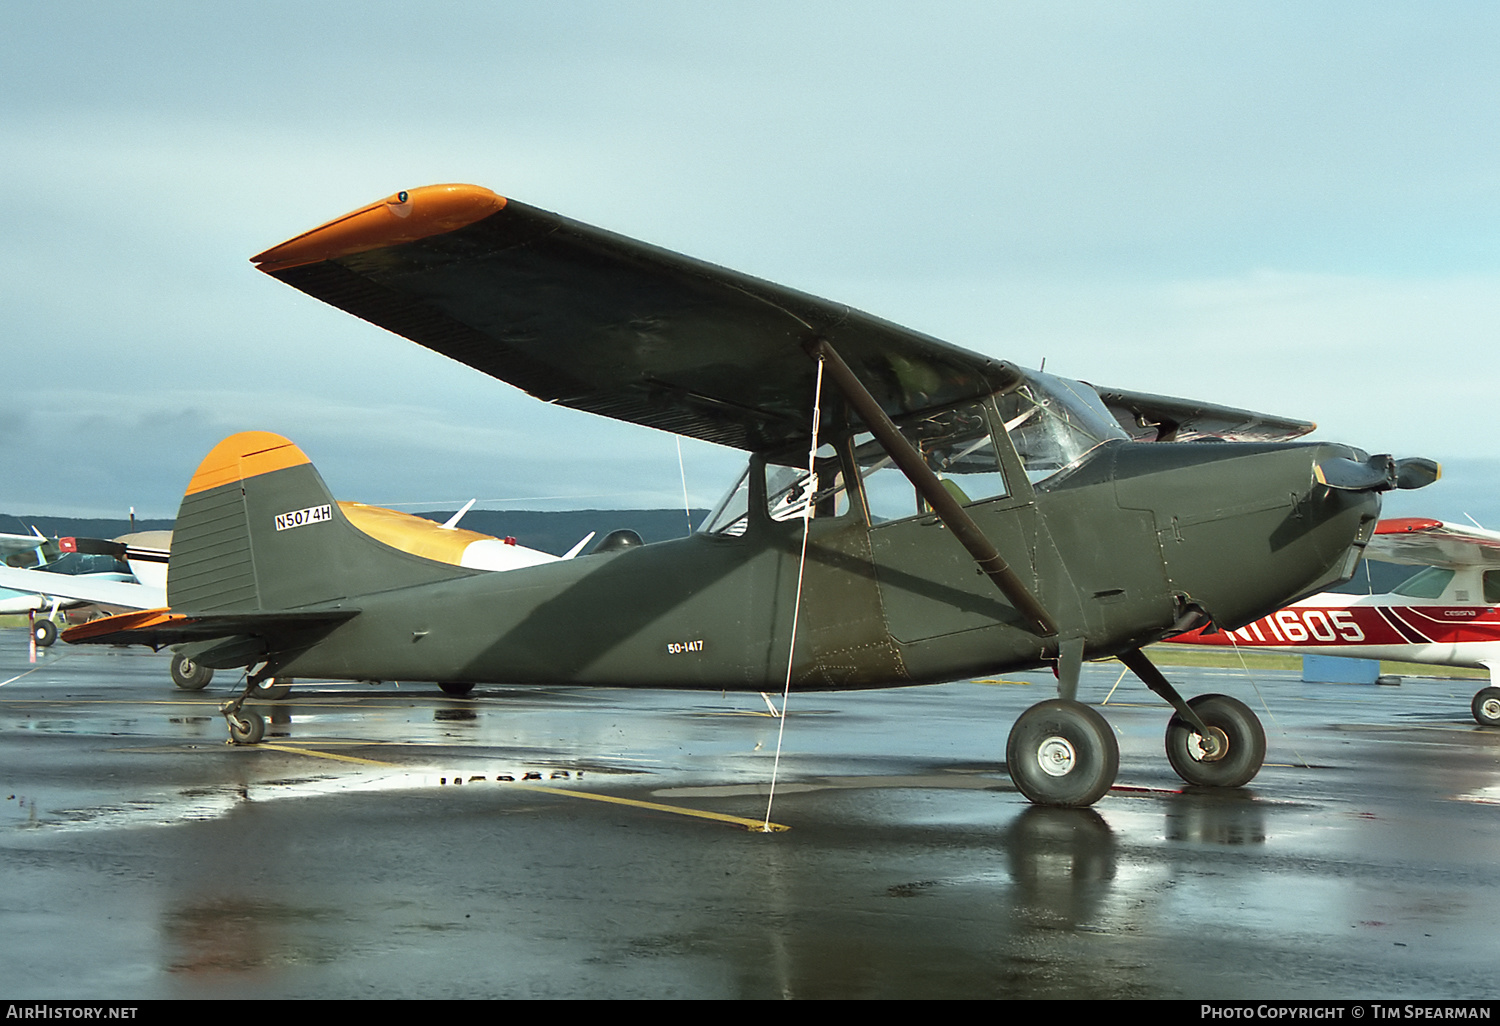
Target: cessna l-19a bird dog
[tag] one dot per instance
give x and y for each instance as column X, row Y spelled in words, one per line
column 911, row 513
column 1447, row 614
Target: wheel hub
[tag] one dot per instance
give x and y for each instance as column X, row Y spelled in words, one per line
column 1491, row 707
column 1211, row 747
column 1056, row 756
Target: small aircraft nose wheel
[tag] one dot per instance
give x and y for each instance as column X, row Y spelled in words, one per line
column 1486, row 707
column 246, row 728
column 1062, row 753
column 1232, row 752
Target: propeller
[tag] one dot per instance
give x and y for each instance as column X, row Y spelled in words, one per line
column 1377, row 473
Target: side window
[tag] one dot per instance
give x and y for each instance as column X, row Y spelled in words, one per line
column 1426, row 584
column 788, row 489
column 956, row 444
column 1492, row 587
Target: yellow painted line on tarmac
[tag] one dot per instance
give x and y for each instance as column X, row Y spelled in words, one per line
column 757, row 825
column 325, row 755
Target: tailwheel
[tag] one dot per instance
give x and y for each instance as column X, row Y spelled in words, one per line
column 246, row 728
column 1232, row 752
column 1486, row 707
column 1062, row 753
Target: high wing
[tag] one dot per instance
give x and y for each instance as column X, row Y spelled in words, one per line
column 1423, row 542
column 1159, row 418
column 13, row 544
column 589, row 319
column 596, row 321
column 104, row 589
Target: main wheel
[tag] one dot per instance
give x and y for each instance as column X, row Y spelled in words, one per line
column 246, row 728
column 273, row 690
column 1229, row 756
column 1486, row 707
column 456, row 688
column 1062, row 753
column 45, row 633
column 189, row 674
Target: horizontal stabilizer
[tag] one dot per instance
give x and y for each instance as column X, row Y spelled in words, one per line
column 160, row 627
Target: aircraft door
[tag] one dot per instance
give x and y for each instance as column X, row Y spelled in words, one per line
column 929, row 584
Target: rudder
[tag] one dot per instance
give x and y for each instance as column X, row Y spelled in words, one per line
column 258, row 530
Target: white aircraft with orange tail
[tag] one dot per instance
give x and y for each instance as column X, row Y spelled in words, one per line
column 1445, row 615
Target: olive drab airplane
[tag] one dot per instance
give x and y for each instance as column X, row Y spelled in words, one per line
column 946, row 515
column 1445, row 615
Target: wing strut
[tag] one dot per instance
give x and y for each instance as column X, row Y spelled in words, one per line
column 927, row 484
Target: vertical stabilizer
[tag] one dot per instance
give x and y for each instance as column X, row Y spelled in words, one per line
column 259, row 531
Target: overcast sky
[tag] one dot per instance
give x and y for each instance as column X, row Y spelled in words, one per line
column 1288, row 207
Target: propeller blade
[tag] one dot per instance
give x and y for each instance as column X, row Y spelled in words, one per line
column 1416, row 472
column 1376, row 474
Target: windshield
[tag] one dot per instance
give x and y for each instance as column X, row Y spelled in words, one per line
column 1053, row 422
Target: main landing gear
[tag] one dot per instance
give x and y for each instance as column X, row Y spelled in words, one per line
column 1063, row 753
column 1486, row 707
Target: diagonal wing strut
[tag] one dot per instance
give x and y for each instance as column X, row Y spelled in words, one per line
column 943, row 504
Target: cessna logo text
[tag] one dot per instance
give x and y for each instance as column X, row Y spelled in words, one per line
column 303, row 517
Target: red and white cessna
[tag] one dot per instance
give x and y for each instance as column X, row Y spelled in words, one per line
column 1446, row 615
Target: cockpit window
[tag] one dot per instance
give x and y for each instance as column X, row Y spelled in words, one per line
column 728, row 517
column 787, row 493
column 787, row 488
column 957, row 445
column 1054, row 422
column 1429, row 583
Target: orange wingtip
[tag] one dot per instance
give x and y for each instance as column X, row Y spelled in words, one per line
column 245, row 455
column 120, row 623
column 404, row 217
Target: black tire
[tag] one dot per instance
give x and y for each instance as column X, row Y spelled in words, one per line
column 273, row 690
column 246, row 728
column 1234, row 726
column 1062, row 754
column 190, row 675
column 1486, row 707
column 456, row 688
column 45, row 633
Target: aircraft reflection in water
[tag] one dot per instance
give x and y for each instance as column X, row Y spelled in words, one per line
column 959, row 516
column 1447, row 614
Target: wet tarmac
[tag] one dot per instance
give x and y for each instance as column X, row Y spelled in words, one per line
column 394, row 842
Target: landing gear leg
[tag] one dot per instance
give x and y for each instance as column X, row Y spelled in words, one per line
column 246, row 728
